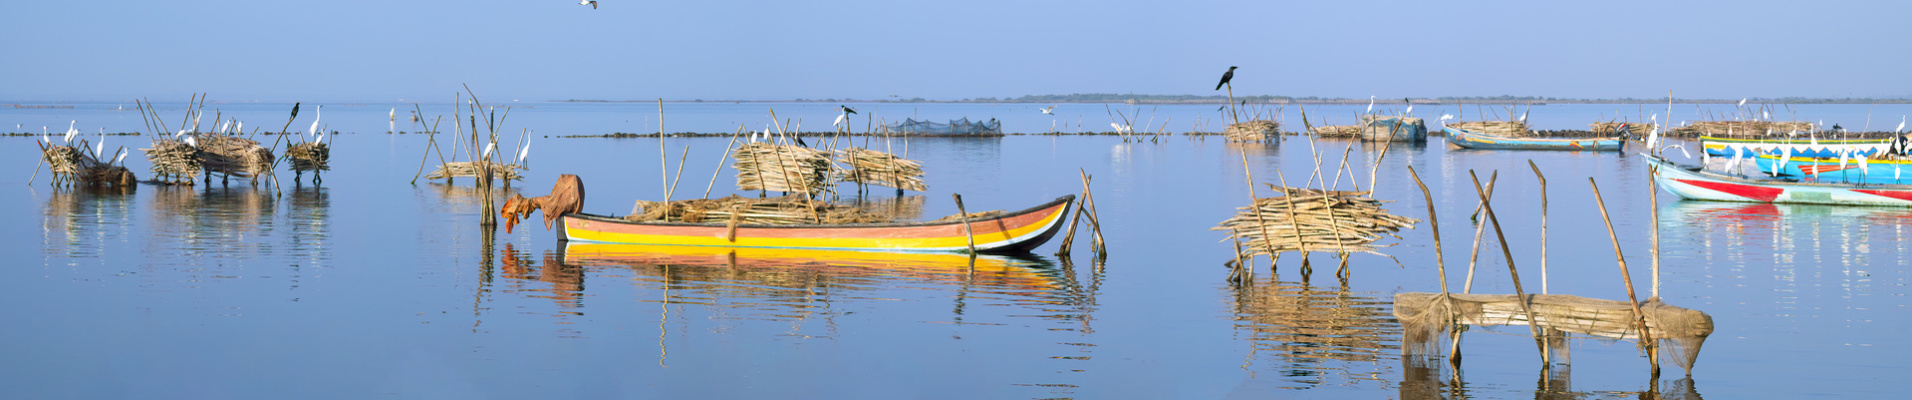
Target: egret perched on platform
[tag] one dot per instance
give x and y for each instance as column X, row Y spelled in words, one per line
column 525, row 152
column 70, row 132
column 316, row 116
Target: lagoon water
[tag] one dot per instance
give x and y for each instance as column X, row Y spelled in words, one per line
column 370, row 286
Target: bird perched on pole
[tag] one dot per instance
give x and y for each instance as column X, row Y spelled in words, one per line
column 295, row 111
column 846, row 109
column 1225, row 77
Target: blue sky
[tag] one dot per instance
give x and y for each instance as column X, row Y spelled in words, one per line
column 680, row 50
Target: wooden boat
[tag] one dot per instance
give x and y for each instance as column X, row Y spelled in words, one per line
column 774, row 267
column 1830, row 170
column 1809, row 148
column 1693, row 183
column 1472, row 140
column 1009, row 232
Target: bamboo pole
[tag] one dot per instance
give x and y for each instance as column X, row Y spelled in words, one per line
column 1440, row 262
column 1095, row 221
column 1068, row 240
column 968, row 234
column 1543, row 225
column 1653, row 195
column 663, row 158
column 720, row 161
column 1546, row 356
column 1646, row 338
column 672, row 189
column 1479, row 229
column 1253, row 202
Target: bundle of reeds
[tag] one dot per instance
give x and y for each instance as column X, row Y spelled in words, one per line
column 1337, row 131
column 64, row 160
column 173, row 161
column 1743, row 128
column 73, row 166
column 1252, row 131
column 1313, row 220
column 783, row 168
column 1494, row 128
column 873, row 167
column 469, row 169
column 311, row 156
column 232, row 155
column 107, row 174
column 784, row 210
column 1610, row 129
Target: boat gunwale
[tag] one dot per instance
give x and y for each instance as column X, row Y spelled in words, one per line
column 1467, row 135
column 1701, row 172
column 1065, row 199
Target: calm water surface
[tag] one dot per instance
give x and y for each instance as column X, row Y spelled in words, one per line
column 369, row 286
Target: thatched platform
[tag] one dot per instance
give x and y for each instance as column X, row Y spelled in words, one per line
column 232, row 156
column 73, row 166
column 1494, row 128
column 174, row 161
column 469, row 169
column 1611, row 129
column 1311, row 220
column 1260, row 130
column 783, row 168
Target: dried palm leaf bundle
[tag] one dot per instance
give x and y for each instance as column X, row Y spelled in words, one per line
column 873, row 167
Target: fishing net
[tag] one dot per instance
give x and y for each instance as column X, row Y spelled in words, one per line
column 1252, row 131
column 882, row 169
column 961, row 126
column 1426, row 317
column 567, row 196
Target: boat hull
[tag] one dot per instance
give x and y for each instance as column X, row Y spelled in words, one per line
column 1471, row 140
column 1692, row 184
column 1887, row 172
column 1809, row 148
column 1011, row 232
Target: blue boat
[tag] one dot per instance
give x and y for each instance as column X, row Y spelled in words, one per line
column 1829, row 170
column 1809, row 148
column 1468, row 139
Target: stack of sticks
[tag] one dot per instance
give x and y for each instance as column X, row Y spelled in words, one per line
column 311, row 156
column 784, row 210
column 469, row 169
column 1743, row 128
column 71, row 165
column 1494, row 128
column 1337, row 131
column 233, row 155
column 871, row 167
column 1311, row 220
column 174, row 161
column 782, row 168
column 1610, row 129
column 1252, row 131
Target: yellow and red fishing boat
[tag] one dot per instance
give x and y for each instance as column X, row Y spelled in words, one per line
column 1009, row 232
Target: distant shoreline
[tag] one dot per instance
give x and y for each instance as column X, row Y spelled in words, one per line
column 1283, row 100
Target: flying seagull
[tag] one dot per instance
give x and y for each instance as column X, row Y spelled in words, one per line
column 592, row 3
column 1049, row 110
column 1225, row 77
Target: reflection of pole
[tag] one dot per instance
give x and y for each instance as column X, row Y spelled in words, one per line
column 486, row 237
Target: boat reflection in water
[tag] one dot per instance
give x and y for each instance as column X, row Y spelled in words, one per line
column 1310, row 332
column 1730, row 233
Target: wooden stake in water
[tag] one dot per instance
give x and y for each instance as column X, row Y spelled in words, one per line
column 663, row 158
column 1543, row 225
column 1479, row 230
column 1526, row 306
column 964, row 216
column 1653, row 196
column 1440, row 262
column 1639, row 318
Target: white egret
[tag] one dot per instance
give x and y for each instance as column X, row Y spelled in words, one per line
column 1765, row 115
column 1049, row 110
column 1862, row 164
column 99, row 150
column 1742, row 102
column 839, row 120
column 1370, row 104
column 316, row 115
column 1901, row 127
column 71, row 132
column 121, row 158
column 223, row 126
column 1445, row 117
column 43, row 135
column 488, row 147
column 1410, row 108
column 525, row 152
column 191, row 142
column 238, row 126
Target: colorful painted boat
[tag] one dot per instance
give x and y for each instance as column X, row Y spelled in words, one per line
column 1472, row 140
column 1809, row 147
column 1695, row 184
column 1008, row 273
column 1009, row 232
column 1896, row 172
